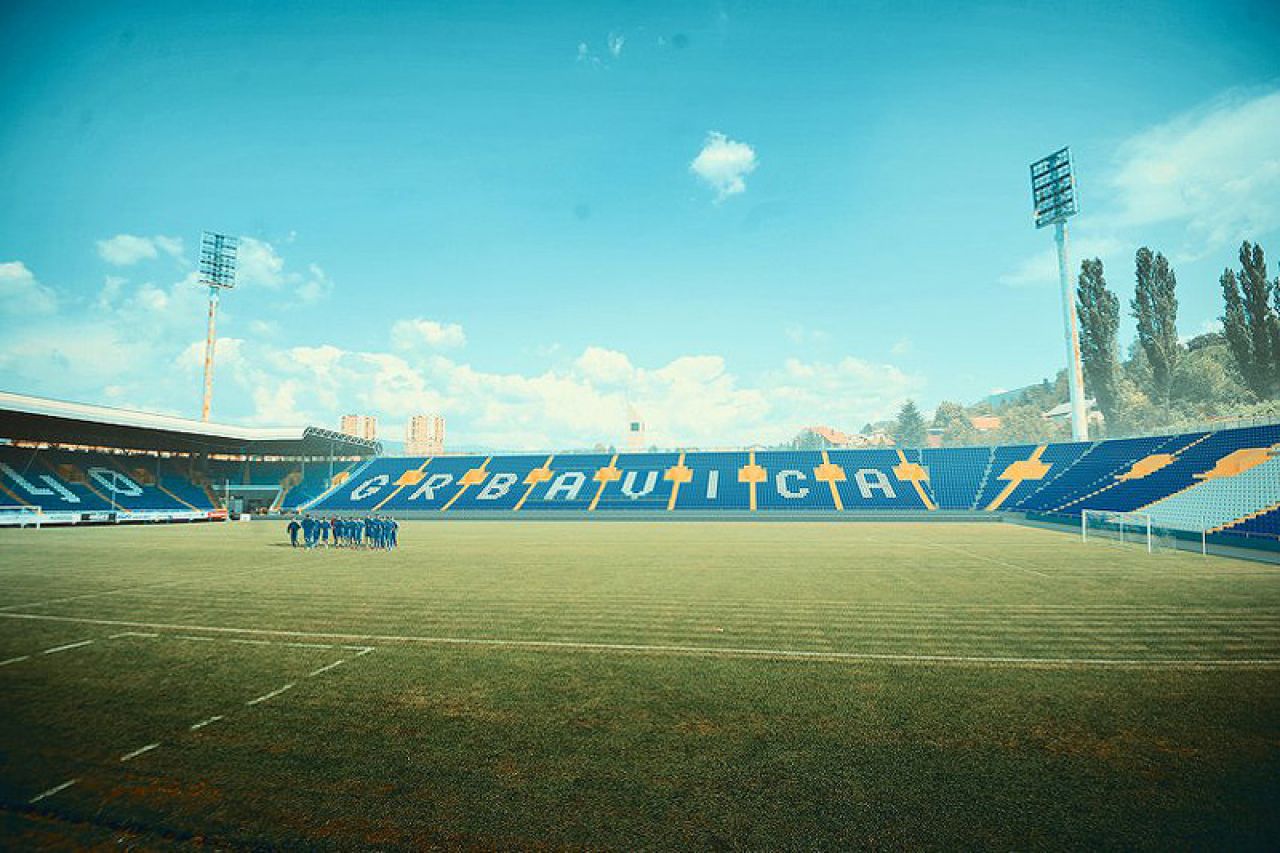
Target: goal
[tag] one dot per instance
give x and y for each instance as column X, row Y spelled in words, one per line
column 1125, row 528
column 20, row 515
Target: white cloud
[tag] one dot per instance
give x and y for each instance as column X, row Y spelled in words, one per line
column 127, row 249
column 604, row 366
column 409, row 334
column 616, row 42
column 21, row 293
column 257, row 263
column 723, row 164
column 1042, row 267
column 587, row 57
column 316, row 286
column 690, row 400
column 1212, row 175
column 803, row 335
column 95, row 351
column 1215, row 169
column 902, row 346
column 847, row 392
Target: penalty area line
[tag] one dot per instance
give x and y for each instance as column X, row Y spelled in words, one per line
column 325, row 669
column 270, row 695
column 195, row 727
column 55, row 789
column 68, row 647
column 129, row 756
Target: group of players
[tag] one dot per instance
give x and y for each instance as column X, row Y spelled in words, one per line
column 374, row 531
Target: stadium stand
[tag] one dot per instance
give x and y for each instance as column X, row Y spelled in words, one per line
column 957, row 474
column 78, row 464
column 1224, row 482
column 1264, row 523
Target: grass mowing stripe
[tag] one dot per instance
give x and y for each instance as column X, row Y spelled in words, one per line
column 473, row 598
column 650, row 648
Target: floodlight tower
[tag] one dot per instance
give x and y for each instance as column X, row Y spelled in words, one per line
column 1053, row 190
column 218, row 273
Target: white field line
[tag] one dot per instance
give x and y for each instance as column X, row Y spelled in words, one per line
column 18, row 659
column 710, row 651
column 200, row 725
column 325, row 669
column 194, row 727
column 270, row 695
column 55, row 789
column 151, row 635
column 129, row 756
column 67, row 647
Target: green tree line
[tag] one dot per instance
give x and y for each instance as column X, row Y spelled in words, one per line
column 1159, row 381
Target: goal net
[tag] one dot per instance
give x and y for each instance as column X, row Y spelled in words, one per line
column 19, row 515
column 1125, row 528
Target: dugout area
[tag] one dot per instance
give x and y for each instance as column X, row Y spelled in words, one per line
column 632, row 685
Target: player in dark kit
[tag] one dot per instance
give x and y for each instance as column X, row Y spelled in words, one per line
column 293, row 528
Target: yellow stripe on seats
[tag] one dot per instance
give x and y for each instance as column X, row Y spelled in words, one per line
column 831, row 474
column 752, row 474
column 1017, row 472
column 914, row 473
column 677, row 474
column 474, row 477
column 401, row 482
column 533, row 478
column 604, row 477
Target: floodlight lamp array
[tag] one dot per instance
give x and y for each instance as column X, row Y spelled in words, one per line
column 1053, row 189
column 218, row 259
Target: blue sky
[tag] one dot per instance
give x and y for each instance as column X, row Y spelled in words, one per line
column 740, row 218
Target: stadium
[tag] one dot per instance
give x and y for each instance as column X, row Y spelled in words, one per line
column 654, row 591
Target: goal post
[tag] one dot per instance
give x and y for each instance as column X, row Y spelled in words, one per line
column 1125, row 528
column 20, row 515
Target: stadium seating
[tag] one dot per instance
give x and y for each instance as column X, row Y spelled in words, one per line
column 80, row 482
column 1242, row 483
column 957, row 473
column 1224, row 481
column 1266, row 524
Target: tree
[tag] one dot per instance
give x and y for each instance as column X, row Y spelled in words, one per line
column 953, row 420
column 1206, row 382
column 1099, row 311
column 807, row 439
column 1027, row 424
column 1251, row 324
column 909, row 429
column 1155, row 305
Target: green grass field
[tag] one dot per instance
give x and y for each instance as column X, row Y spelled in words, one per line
column 635, row 685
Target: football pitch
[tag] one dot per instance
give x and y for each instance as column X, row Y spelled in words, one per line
column 635, row 685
